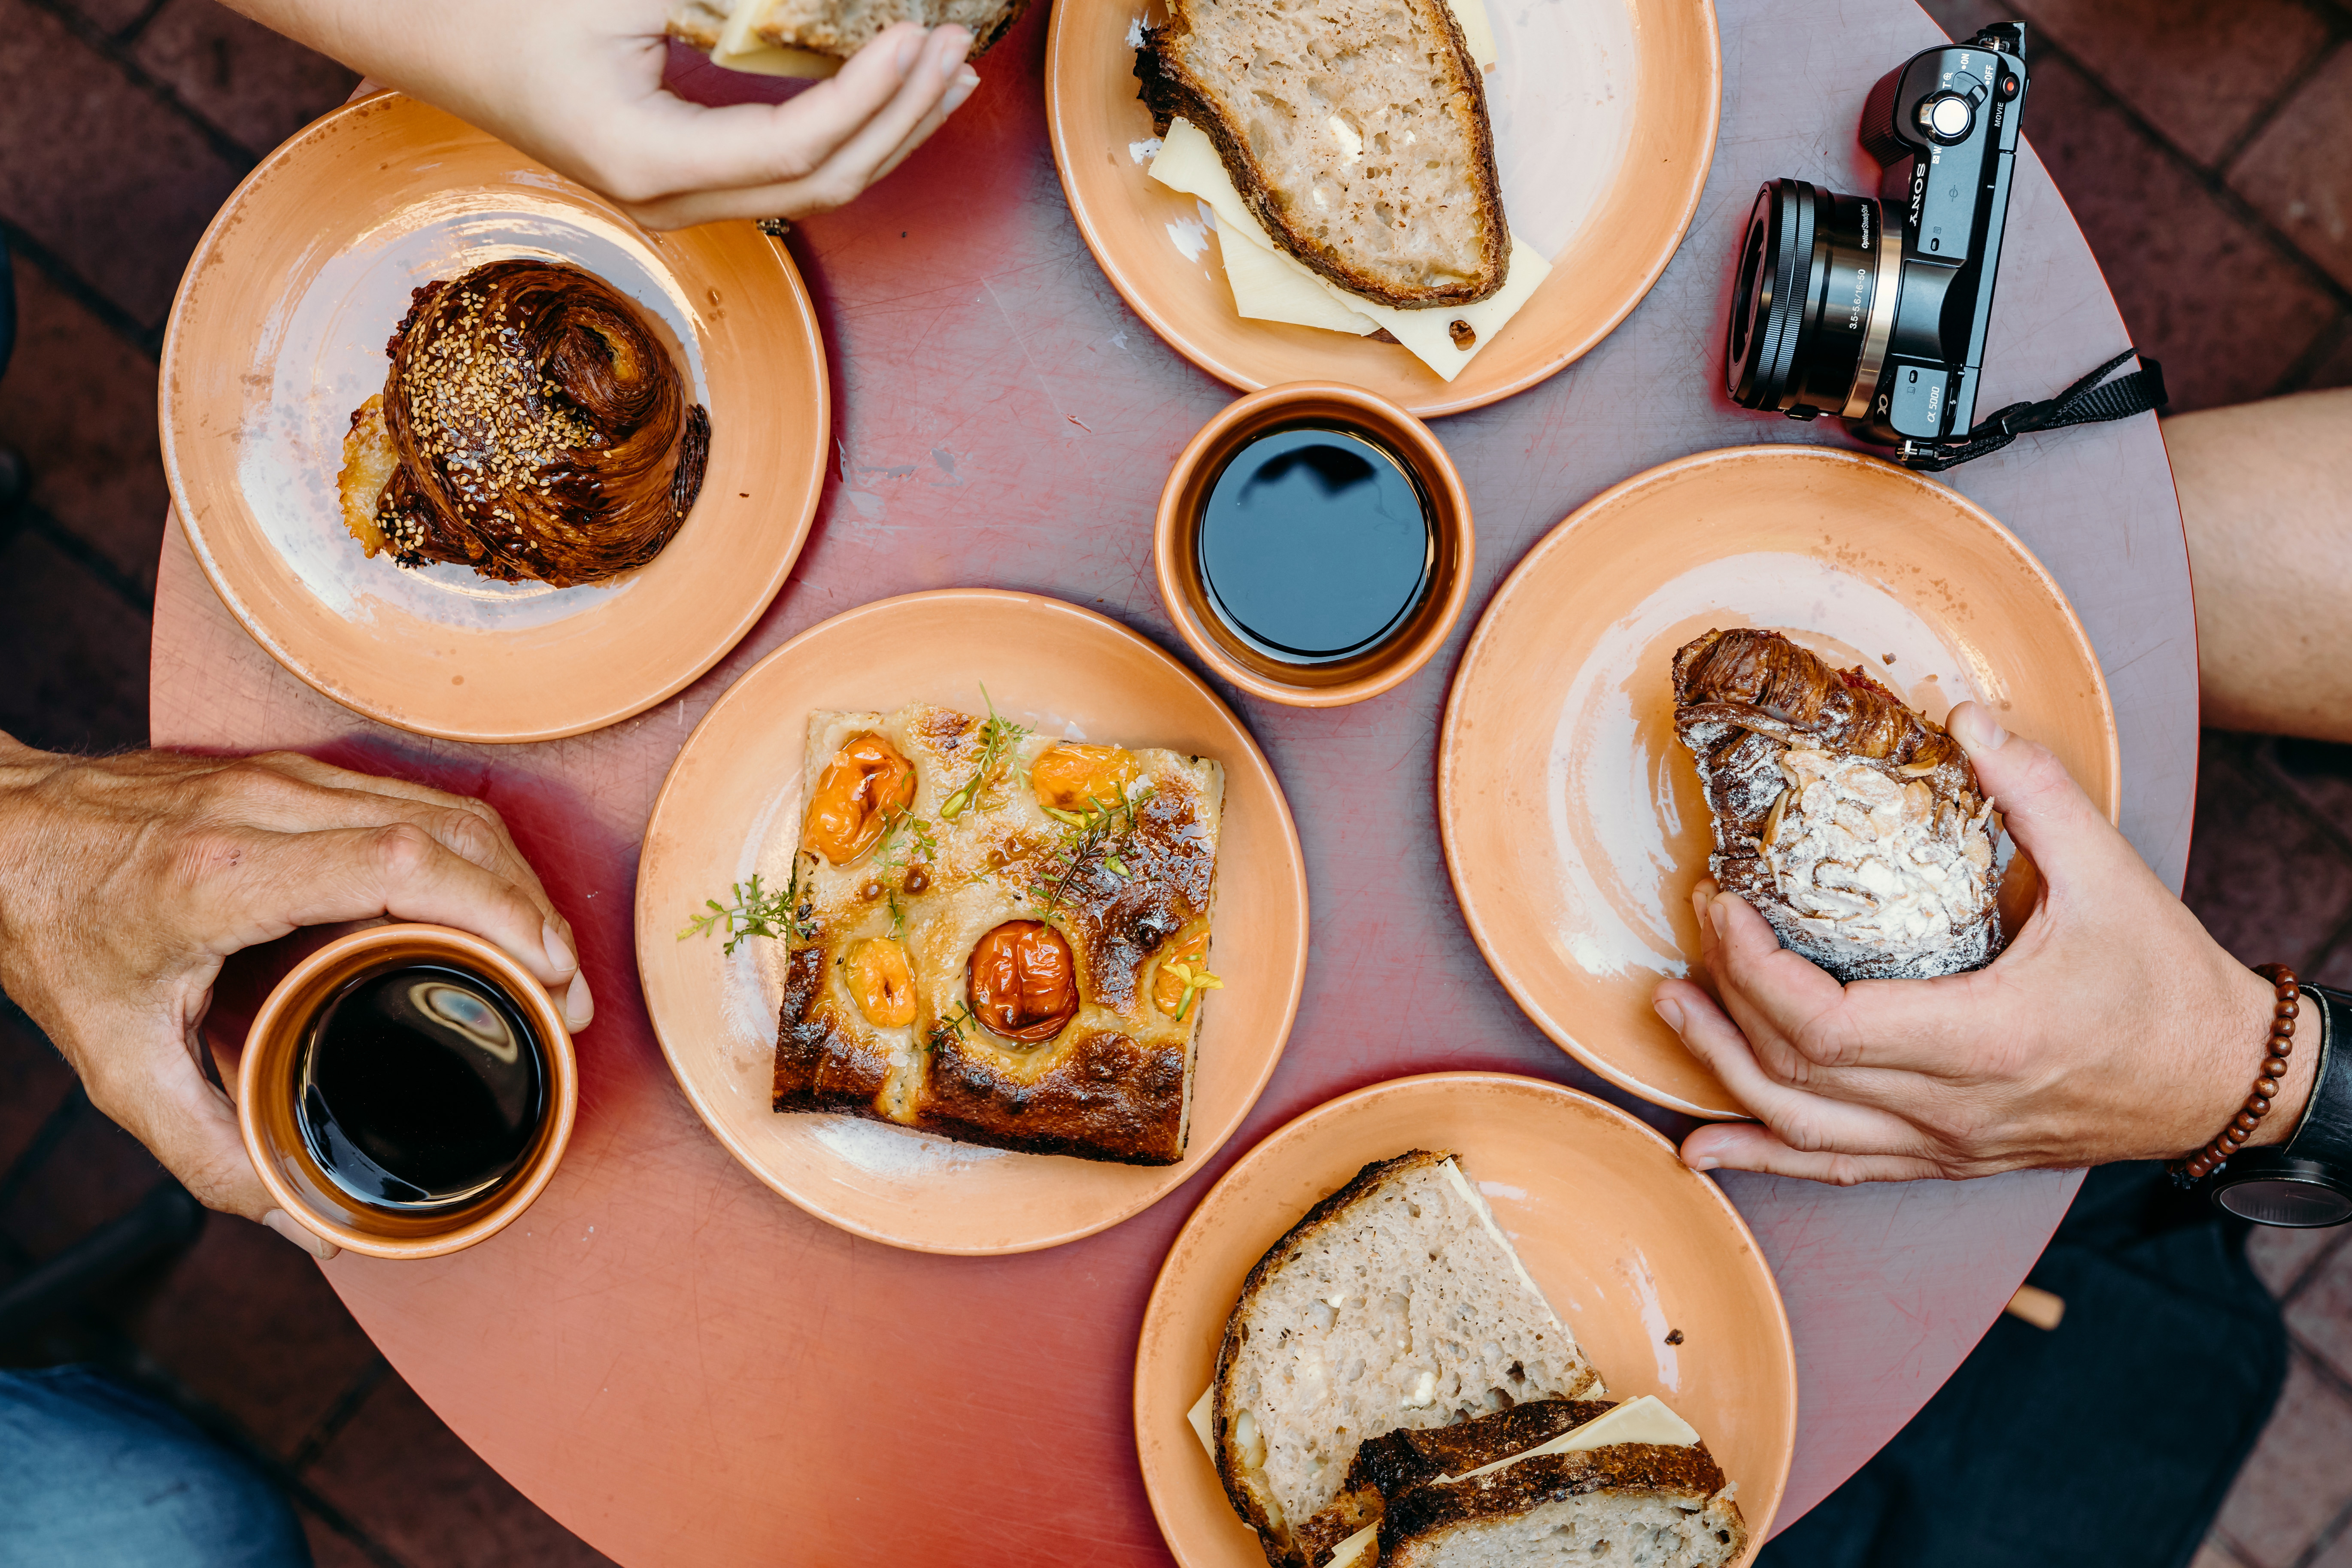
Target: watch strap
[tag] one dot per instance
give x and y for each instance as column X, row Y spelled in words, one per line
column 2325, row 1133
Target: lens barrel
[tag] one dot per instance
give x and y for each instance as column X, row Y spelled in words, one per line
column 1815, row 304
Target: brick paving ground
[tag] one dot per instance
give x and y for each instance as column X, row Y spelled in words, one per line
column 2206, row 147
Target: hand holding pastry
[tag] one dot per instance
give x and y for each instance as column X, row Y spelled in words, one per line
column 577, row 84
column 125, row 881
column 2112, row 1028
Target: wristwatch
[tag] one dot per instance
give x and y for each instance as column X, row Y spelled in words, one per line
column 2305, row 1181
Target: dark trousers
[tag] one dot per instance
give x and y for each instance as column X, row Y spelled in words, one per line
column 7, row 307
column 2112, row 1439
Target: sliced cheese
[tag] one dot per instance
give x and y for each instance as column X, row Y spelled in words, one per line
column 1270, row 287
column 1642, row 1420
column 1359, row 1551
column 741, row 49
column 1476, row 30
column 1199, row 1417
column 1188, row 161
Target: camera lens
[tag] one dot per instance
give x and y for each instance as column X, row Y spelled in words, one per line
column 1815, row 304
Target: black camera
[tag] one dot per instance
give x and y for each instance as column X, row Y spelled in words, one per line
column 1832, row 315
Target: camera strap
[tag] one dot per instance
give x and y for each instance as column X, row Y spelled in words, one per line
column 2088, row 401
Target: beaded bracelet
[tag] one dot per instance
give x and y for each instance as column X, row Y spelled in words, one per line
column 2209, row 1159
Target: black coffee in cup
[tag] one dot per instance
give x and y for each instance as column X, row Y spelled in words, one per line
column 1316, row 544
column 420, row 1086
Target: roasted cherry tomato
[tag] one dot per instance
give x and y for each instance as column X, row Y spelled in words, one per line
column 1170, row 992
column 868, row 782
column 1073, row 776
column 881, row 983
column 1022, row 983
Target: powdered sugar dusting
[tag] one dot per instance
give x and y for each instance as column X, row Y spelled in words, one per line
column 1881, row 868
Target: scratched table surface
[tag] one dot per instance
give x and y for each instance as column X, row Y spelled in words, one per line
column 684, row 1368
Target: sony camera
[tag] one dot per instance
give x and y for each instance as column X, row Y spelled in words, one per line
column 1875, row 309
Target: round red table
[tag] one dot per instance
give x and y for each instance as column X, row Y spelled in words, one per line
column 683, row 1367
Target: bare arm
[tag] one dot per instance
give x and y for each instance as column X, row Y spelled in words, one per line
column 577, row 85
column 2266, row 497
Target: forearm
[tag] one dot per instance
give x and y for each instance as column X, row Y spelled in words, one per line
column 2266, row 499
column 402, row 43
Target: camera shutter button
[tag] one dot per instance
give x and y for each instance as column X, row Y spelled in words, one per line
column 1948, row 116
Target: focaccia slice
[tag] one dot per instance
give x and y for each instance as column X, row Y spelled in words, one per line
column 973, row 849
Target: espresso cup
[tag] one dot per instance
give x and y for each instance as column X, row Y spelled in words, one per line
column 1176, row 544
column 284, row 1146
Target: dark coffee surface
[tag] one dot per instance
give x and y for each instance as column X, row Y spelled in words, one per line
column 1315, row 544
column 420, row 1085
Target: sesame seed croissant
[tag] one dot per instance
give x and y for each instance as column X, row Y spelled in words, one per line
column 532, row 427
column 1852, row 824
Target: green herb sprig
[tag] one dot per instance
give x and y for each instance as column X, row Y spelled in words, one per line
column 1100, row 830
column 754, row 912
column 950, row 1026
column 985, row 788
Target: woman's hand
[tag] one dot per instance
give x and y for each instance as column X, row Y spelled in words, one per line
column 577, row 84
column 2112, row 1028
column 125, row 881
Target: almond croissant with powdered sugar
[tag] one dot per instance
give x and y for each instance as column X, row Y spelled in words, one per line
column 1851, row 823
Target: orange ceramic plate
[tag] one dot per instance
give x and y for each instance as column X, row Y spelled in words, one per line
column 1573, row 822
column 732, row 806
column 1627, row 1243
column 278, row 333
column 1604, row 114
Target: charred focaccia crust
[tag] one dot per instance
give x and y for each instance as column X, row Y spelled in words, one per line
column 1851, row 823
column 1114, row 1083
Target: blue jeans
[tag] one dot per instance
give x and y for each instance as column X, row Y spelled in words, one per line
column 93, row 1475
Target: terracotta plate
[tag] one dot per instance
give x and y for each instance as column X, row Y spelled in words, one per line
column 1627, row 1243
column 278, row 333
column 732, row 806
column 1573, row 822
column 1604, row 115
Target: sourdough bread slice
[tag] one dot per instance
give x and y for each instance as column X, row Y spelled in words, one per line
column 838, row 28
column 1395, row 1462
column 1348, row 1534
column 1356, row 132
column 1633, row 1505
column 1396, row 1304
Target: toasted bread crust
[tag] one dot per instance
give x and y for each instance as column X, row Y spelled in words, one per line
column 1395, row 1462
column 1415, row 1519
column 1169, row 88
